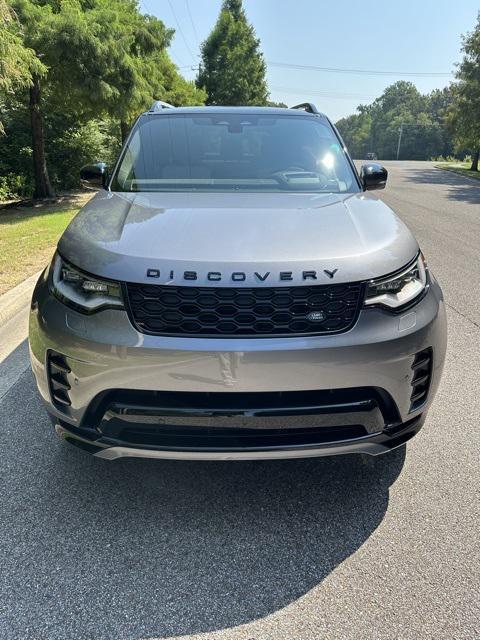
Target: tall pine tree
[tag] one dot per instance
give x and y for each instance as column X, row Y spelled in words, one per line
column 233, row 70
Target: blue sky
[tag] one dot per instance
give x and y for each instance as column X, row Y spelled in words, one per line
column 411, row 36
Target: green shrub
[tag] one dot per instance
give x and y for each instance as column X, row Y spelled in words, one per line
column 14, row 186
column 76, row 146
column 452, row 159
column 70, row 143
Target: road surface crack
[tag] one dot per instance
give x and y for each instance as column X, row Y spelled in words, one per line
column 475, row 324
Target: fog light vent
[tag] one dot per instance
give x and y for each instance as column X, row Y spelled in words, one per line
column 422, row 374
column 58, row 371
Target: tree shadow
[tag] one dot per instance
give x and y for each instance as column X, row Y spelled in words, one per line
column 458, row 187
column 138, row 549
column 72, row 200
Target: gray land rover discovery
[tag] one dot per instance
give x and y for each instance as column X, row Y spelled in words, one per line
column 234, row 291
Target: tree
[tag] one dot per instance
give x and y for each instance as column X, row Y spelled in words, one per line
column 62, row 37
column 232, row 70
column 91, row 50
column 356, row 132
column 144, row 71
column 104, row 59
column 175, row 89
column 278, row 105
column 464, row 114
column 16, row 60
column 73, row 141
column 401, row 111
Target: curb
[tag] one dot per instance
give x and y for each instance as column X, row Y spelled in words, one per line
column 14, row 300
column 459, row 173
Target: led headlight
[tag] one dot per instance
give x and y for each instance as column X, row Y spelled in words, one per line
column 81, row 291
column 397, row 291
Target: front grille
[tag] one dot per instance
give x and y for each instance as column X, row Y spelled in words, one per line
column 256, row 312
column 198, row 438
column 182, row 419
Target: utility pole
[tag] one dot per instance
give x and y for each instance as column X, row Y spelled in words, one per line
column 411, row 124
column 400, row 133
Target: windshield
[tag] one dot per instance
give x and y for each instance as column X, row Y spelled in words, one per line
column 240, row 152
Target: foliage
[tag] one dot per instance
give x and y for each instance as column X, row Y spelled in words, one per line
column 175, row 89
column 450, row 159
column 15, row 148
column 464, row 113
column 73, row 142
column 16, row 60
column 103, row 62
column 421, row 119
column 232, row 70
column 280, row 105
column 11, row 184
column 104, row 57
column 73, row 145
column 437, row 124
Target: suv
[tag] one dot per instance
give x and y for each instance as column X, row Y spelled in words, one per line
column 235, row 292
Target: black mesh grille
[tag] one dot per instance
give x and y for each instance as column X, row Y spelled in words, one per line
column 260, row 311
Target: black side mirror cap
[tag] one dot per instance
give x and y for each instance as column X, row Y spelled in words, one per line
column 373, row 176
column 94, row 176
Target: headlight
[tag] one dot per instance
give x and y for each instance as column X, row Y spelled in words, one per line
column 400, row 290
column 84, row 293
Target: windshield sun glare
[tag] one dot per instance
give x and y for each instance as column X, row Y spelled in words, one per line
column 231, row 152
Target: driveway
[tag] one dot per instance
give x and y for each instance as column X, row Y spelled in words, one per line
column 343, row 548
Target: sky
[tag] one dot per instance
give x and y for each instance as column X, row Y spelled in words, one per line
column 407, row 36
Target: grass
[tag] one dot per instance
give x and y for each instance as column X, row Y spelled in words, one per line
column 28, row 236
column 462, row 168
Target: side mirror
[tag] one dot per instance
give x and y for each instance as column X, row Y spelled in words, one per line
column 94, row 175
column 373, row 176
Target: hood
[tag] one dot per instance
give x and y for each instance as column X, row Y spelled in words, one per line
column 179, row 237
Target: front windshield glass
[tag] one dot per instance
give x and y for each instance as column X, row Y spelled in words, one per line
column 234, row 152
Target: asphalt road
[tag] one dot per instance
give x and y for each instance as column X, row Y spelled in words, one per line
column 335, row 548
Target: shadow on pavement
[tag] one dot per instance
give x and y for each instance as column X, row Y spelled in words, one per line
column 138, row 549
column 458, row 187
column 14, row 361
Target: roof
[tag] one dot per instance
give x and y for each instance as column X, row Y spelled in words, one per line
column 225, row 109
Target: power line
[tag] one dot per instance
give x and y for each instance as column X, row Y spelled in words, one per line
column 193, row 23
column 175, row 58
column 372, row 72
column 177, row 61
column 324, row 94
column 180, row 29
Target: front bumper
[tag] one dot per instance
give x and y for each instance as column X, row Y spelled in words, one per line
column 115, row 375
column 375, row 444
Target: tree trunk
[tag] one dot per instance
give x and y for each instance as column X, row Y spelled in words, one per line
column 43, row 188
column 475, row 159
column 125, row 130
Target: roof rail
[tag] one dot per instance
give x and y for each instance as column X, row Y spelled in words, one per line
column 159, row 105
column 306, row 106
